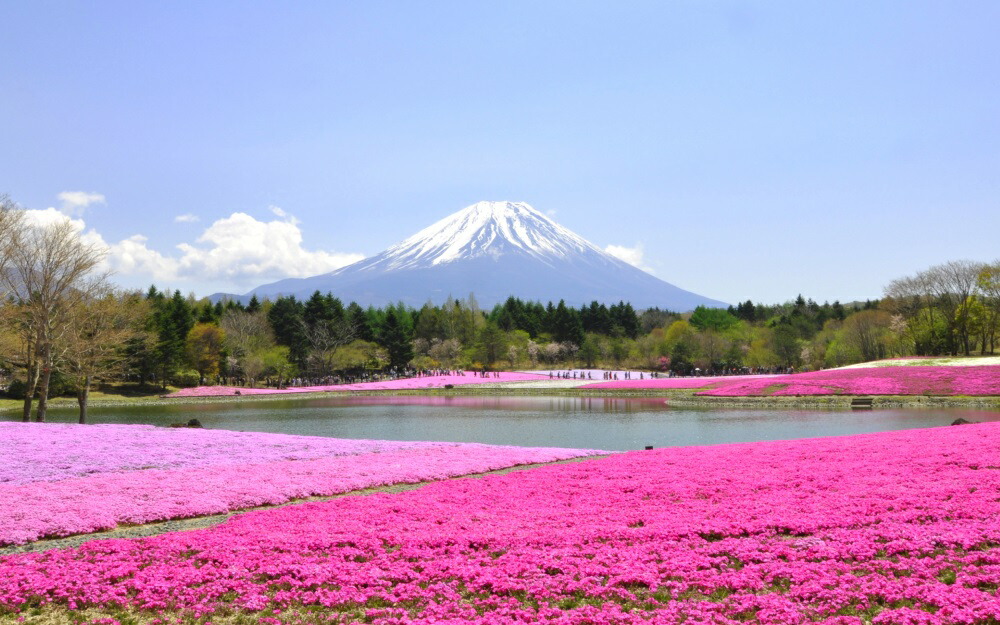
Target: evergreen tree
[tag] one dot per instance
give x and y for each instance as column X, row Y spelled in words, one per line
column 624, row 320
column 396, row 340
column 837, row 311
column 358, row 319
column 206, row 313
column 596, row 318
column 173, row 319
column 566, row 326
column 286, row 320
column 746, row 311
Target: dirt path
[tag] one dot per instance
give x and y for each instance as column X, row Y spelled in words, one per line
column 195, row 523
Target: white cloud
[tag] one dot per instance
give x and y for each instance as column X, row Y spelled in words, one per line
column 131, row 257
column 280, row 212
column 186, row 218
column 631, row 255
column 234, row 253
column 74, row 202
column 244, row 250
column 45, row 217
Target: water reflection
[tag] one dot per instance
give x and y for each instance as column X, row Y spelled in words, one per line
column 552, row 421
column 512, row 403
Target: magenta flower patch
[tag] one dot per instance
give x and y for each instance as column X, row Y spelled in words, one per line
column 899, row 527
column 915, row 380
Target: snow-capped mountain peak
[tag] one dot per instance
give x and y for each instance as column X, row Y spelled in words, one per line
column 492, row 250
column 483, row 229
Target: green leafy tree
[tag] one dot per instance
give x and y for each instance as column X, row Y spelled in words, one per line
column 715, row 319
column 205, row 344
column 590, row 350
column 277, row 362
column 785, row 344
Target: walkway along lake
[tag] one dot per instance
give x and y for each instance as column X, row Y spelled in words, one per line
column 581, row 422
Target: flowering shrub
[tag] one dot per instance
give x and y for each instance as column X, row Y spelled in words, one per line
column 436, row 381
column 62, row 479
column 899, row 527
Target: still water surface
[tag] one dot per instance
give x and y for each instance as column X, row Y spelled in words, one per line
column 597, row 423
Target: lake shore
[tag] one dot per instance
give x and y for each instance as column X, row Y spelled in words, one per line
column 674, row 397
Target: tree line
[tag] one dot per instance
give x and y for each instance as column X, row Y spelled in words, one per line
column 951, row 308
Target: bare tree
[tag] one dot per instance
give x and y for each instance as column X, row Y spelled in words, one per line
column 447, row 352
column 247, row 335
column 953, row 283
column 909, row 297
column 945, row 290
column 11, row 224
column 48, row 269
column 325, row 337
column 11, row 228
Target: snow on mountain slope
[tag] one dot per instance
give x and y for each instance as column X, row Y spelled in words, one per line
column 492, row 250
column 483, row 229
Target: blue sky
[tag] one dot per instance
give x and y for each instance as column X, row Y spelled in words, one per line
column 739, row 150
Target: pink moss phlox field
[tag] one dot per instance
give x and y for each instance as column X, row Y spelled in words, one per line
column 437, row 381
column 35, row 452
column 913, row 380
column 62, row 479
column 899, row 527
column 677, row 383
column 100, row 502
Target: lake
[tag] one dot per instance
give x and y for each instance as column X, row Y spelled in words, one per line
column 583, row 422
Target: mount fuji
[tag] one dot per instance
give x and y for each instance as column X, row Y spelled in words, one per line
column 492, row 250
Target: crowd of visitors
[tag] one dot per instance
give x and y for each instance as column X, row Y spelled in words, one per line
column 569, row 374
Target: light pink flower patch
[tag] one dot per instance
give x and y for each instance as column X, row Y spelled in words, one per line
column 34, row 452
column 101, row 502
column 59, row 479
column 899, row 527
